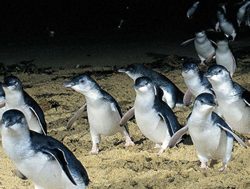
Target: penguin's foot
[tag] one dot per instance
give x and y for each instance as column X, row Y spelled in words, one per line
column 95, row 149
column 204, row 165
column 19, row 174
column 223, row 168
column 129, row 142
column 157, row 146
column 160, row 151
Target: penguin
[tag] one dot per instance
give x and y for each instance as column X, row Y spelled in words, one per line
column 42, row 159
column 241, row 14
column 226, row 26
column 211, row 135
column 224, row 56
column 173, row 96
column 192, row 9
column 104, row 113
column 17, row 98
column 153, row 116
column 203, row 46
column 195, row 81
column 2, row 102
column 233, row 99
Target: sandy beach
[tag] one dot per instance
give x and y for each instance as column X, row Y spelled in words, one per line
column 116, row 166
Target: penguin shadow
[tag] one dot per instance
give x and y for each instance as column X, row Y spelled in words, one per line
column 186, row 140
column 140, row 141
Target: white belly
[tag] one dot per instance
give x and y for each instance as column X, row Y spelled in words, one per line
column 226, row 60
column 204, row 50
column 195, row 87
column 152, row 127
column 103, row 119
column 44, row 173
column 236, row 114
column 210, row 143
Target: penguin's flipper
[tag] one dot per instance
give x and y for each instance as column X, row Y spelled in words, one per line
column 43, row 125
column 59, row 156
column 246, row 97
column 176, row 138
column 223, row 125
column 127, row 116
column 187, row 41
column 187, row 97
column 76, row 115
column 171, row 122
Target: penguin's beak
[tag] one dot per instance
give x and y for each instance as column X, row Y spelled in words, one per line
column 208, row 75
column 122, row 70
column 68, row 84
column 7, row 123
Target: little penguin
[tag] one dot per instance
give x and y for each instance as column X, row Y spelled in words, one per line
column 173, row 96
column 224, row 56
column 192, row 9
column 211, row 135
column 241, row 14
column 104, row 113
column 226, row 26
column 203, row 46
column 153, row 116
column 17, row 98
column 233, row 99
column 195, row 81
column 42, row 159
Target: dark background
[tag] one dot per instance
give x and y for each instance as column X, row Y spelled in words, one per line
column 81, row 16
column 87, row 33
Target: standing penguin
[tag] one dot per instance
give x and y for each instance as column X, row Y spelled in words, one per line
column 172, row 94
column 195, row 81
column 211, row 136
column 17, row 98
column 224, row 56
column 42, row 159
column 233, row 99
column 203, row 47
column 192, row 9
column 153, row 116
column 103, row 111
column 241, row 14
column 226, row 26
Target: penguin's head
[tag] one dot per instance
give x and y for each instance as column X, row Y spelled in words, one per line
column 134, row 70
column 189, row 68
column 220, row 15
column 200, row 36
column 205, row 102
column 12, row 83
column 14, row 121
column 222, row 45
column 82, row 84
column 143, row 85
column 217, row 74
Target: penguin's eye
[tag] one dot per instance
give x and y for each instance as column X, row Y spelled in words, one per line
column 81, row 81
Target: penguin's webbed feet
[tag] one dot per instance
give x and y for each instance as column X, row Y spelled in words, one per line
column 129, row 142
column 95, row 149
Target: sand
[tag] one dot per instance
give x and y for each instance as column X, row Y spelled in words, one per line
column 116, row 166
